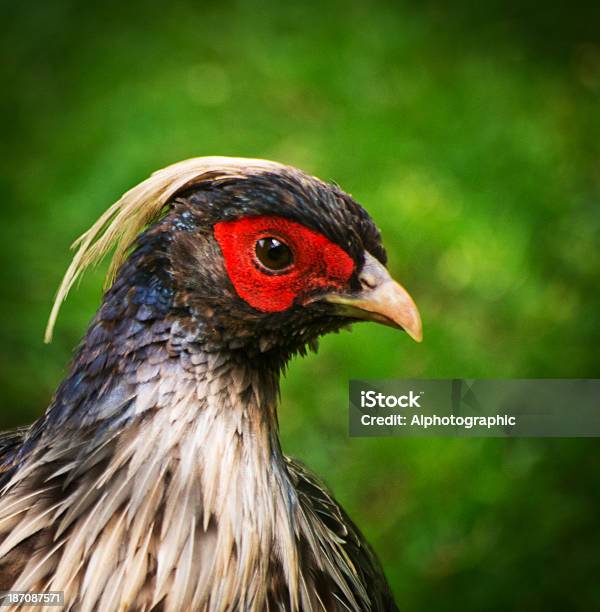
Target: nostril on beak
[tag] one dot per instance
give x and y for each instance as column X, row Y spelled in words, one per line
column 368, row 279
column 373, row 273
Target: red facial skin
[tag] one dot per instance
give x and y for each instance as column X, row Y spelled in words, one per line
column 318, row 263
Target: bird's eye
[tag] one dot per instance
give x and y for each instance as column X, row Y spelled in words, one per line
column 273, row 254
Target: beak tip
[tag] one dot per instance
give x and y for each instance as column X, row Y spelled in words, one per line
column 415, row 331
column 418, row 338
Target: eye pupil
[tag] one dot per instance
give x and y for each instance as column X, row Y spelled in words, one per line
column 273, row 254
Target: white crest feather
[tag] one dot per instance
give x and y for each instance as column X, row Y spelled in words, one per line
column 126, row 218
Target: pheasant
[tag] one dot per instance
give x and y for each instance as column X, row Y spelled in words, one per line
column 155, row 480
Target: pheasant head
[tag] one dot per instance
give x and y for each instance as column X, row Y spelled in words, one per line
column 263, row 257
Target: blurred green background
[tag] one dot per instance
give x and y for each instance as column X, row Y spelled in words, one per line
column 472, row 135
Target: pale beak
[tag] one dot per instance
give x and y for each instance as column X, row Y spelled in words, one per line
column 381, row 299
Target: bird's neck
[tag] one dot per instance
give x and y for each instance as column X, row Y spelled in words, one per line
column 189, row 437
column 160, row 370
